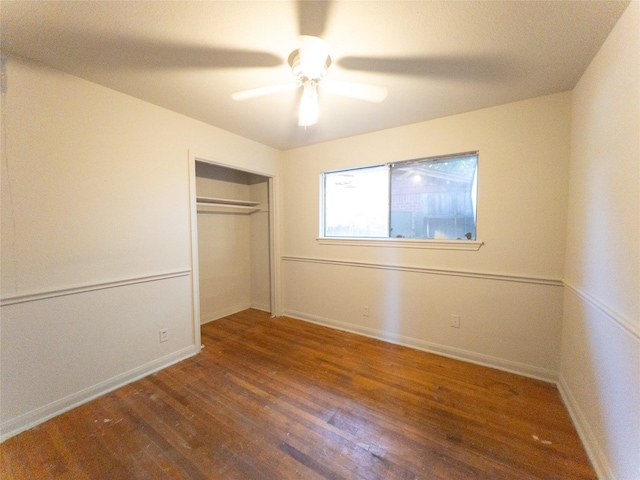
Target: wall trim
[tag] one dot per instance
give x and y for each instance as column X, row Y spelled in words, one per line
column 218, row 314
column 263, row 307
column 225, row 312
column 432, row 271
column 438, row 349
column 589, row 440
column 614, row 317
column 35, row 417
column 469, row 245
column 89, row 287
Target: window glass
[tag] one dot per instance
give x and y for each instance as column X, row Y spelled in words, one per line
column 434, row 199
column 356, row 202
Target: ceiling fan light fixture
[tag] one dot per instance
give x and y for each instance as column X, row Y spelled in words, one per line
column 308, row 113
column 312, row 67
column 312, row 58
column 309, row 65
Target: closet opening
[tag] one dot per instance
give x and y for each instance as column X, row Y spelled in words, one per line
column 232, row 241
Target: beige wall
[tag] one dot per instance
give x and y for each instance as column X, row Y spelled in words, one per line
column 233, row 248
column 509, row 293
column 96, row 243
column 600, row 369
column 96, row 247
column 224, row 252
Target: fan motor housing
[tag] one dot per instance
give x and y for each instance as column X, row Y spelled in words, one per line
column 298, row 69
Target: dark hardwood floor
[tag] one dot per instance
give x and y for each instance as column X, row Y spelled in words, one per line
column 281, row 398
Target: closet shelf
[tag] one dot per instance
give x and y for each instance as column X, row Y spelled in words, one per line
column 227, row 205
column 226, row 201
column 223, row 208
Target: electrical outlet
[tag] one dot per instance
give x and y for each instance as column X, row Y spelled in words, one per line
column 164, row 335
column 365, row 311
column 454, row 321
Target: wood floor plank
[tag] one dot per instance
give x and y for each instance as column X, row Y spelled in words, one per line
column 280, row 398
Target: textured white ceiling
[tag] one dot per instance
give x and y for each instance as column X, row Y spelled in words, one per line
column 437, row 58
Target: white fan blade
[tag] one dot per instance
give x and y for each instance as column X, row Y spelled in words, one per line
column 258, row 92
column 361, row 91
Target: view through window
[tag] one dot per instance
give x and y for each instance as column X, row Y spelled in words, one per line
column 430, row 198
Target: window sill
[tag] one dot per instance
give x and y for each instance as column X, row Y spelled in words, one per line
column 469, row 245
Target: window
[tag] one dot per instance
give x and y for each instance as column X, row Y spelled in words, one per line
column 429, row 198
column 356, row 202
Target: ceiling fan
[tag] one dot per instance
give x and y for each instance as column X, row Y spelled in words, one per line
column 309, row 65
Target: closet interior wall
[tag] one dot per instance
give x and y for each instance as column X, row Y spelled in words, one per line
column 233, row 241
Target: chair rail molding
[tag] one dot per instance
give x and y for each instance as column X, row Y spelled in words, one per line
column 430, row 271
column 616, row 318
column 90, row 287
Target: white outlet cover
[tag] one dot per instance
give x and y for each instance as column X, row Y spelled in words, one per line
column 164, row 335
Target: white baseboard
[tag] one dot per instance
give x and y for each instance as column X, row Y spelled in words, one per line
column 588, row 438
column 444, row 350
column 263, row 307
column 42, row 414
column 223, row 312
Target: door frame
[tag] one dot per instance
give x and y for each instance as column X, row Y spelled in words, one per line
column 274, row 273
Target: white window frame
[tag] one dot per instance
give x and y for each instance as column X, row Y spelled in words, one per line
column 420, row 243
